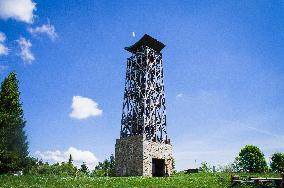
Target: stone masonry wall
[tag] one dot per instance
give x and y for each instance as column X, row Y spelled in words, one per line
column 129, row 156
column 156, row 150
column 133, row 156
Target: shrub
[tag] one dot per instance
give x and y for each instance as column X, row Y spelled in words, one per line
column 30, row 164
column 106, row 168
column 63, row 169
column 205, row 167
column 98, row 173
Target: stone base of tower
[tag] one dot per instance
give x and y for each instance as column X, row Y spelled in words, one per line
column 136, row 156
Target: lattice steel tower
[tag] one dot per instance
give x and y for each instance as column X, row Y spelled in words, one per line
column 143, row 147
column 144, row 110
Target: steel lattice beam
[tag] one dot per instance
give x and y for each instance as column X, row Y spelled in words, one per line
column 144, row 109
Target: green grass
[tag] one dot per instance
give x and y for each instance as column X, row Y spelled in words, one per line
column 211, row 180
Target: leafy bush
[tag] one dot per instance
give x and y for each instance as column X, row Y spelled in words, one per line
column 63, row 169
column 205, row 167
column 30, row 163
column 106, row 168
column 277, row 162
column 251, row 159
column 98, row 173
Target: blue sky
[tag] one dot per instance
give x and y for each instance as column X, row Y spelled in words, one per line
column 223, row 61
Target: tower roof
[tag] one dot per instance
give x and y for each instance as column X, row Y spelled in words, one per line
column 146, row 40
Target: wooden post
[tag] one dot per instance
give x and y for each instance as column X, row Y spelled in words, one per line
column 233, row 180
column 282, row 184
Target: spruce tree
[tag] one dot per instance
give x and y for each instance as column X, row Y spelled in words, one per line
column 112, row 165
column 70, row 160
column 84, row 168
column 13, row 141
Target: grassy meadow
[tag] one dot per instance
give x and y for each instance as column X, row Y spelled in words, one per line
column 212, row 180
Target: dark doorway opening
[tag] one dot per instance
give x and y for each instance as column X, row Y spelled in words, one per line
column 158, row 167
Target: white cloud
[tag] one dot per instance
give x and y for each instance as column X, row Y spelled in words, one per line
column 133, row 34
column 78, row 157
column 2, row 37
column 26, row 53
column 21, row 10
column 3, row 49
column 47, row 29
column 180, row 95
column 83, row 107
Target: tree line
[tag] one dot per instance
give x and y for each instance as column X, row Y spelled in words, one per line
column 251, row 160
column 67, row 168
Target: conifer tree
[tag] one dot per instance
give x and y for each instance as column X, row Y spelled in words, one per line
column 112, row 165
column 13, row 141
column 84, row 168
column 70, row 160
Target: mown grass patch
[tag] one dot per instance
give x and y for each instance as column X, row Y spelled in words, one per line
column 212, row 180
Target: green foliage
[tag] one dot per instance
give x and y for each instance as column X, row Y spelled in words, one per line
column 98, row 173
column 70, row 160
column 30, row 164
column 174, row 166
column 205, row 167
column 277, row 162
column 102, row 169
column 229, row 168
column 9, row 162
column 106, row 168
column 211, row 180
column 251, row 159
column 13, row 144
column 111, row 165
column 84, row 169
column 64, row 169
